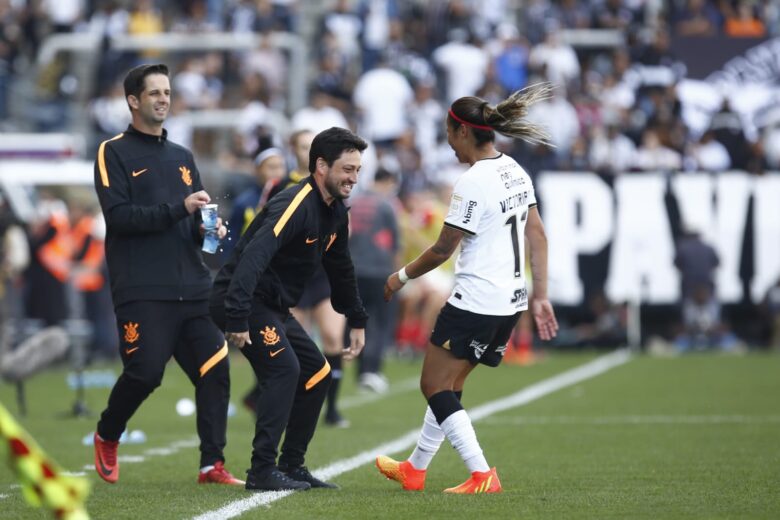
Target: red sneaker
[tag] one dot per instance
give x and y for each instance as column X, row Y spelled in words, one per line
column 105, row 459
column 408, row 476
column 219, row 475
column 480, row 482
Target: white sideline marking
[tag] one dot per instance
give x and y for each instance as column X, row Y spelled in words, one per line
column 3, row 496
column 639, row 419
column 536, row 391
column 401, row 387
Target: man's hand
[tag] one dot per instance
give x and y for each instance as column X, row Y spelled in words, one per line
column 544, row 316
column 238, row 339
column 196, row 201
column 357, row 340
column 221, row 230
column 392, row 285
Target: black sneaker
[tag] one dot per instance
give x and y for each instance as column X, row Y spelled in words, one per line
column 302, row 474
column 275, row 480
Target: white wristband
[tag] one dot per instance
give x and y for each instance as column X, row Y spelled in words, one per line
column 402, row 275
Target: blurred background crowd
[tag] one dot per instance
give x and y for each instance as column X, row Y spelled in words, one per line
column 633, row 94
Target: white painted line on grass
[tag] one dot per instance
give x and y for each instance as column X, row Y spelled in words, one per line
column 637, row 419
column 366, row 397
column 409, row 439
column 3, row 496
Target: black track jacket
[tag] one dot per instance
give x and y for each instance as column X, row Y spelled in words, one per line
column 152, row 243
column 280, row 251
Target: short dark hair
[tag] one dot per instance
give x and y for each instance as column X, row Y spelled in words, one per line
column 331, row 143
column 134, row 81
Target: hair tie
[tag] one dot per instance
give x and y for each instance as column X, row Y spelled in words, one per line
column 464, row 122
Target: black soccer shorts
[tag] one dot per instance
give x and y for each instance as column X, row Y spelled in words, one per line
column 479, row 338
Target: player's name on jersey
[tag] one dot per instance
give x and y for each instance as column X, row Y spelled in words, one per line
column 515, row 201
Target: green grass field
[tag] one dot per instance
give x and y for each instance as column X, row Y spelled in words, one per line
column 688, row 437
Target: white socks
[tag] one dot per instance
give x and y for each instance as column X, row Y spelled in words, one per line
column 458, row 429
column 431, row 437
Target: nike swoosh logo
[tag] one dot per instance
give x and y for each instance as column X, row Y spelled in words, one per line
column 275, row 352
column 103, row 469
column 139, row 172
column 311, row 240
column 131, row 350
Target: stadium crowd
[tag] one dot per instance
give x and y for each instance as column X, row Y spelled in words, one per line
column 388, row 69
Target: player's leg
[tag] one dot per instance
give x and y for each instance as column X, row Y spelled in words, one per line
column 202, row 353
column 486, row 345
column 147, row 332
column 313, row 382
column 431, row 434
column 377, row 334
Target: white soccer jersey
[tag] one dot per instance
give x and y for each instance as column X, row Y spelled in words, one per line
column 490, row 203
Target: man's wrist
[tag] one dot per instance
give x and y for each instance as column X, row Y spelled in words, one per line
column 402, row 276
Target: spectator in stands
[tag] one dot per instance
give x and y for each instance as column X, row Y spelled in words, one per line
column 464, row 65
column 710, row 155
column 553, row 58
column 376, row 20
column 727, row 128
column 613, row 14
column 319, row 115
column 611, row 152
column 743, row 23
column 559, row 117
column 426, row 113
column 511, row 62
column 698, row 18
column 195, row 19
column 343, row 23
column 652, row 155
column 269, row 169
column 573, row 14
column 382, row 122
column 146, row 20
column 63, row 14
column 109, row 113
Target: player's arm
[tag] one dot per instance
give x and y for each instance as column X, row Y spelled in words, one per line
column 544, row 316
column 122, row 216
column 344, row 296
column 430, row 259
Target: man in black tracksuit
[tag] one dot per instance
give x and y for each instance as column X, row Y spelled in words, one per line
column 150, row 190
column 299, row 229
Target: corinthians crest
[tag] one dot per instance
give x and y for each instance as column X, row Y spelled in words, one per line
column 131, row 332
column 185, row 175
column 270, row 337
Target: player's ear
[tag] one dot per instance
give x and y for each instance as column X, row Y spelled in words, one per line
column 133, row 101
column 322, row 166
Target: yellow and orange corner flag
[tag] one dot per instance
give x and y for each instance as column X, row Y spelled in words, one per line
column 43, row 483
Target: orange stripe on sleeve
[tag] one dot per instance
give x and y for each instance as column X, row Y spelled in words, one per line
column 213, row 360
column 291, row 209
column 319, row 376
column 102, row 160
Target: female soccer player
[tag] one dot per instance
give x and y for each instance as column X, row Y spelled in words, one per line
column 492, row 208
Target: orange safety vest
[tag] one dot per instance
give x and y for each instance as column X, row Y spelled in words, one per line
column 56, row 255
column 87, row 276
